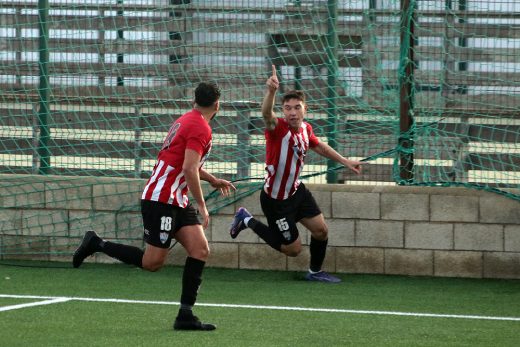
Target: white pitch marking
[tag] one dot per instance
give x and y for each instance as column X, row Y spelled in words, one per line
column 31, row 304
column 53, row 299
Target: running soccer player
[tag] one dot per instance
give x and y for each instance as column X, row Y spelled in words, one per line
column 284, row 199
column 165, row 208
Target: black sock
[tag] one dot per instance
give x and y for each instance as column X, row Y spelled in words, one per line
column 265, row 233
column 127, row 254
column 191, row 280
column 318, row 249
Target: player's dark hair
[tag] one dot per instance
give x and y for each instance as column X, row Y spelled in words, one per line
column 206, row 94
column 293, row 94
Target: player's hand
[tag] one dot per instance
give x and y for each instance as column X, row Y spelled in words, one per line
column 272, row 82
column 203, row 212
column 224, row 186
column 354, row 165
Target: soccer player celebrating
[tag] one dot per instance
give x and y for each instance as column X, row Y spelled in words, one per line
column 165, row 208
column 284, row 199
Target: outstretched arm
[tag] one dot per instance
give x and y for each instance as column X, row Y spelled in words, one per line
column 269, row 99
column 328, row 152
column 217, row 183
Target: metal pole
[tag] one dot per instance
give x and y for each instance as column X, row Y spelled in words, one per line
column 332, row 95
column 298, row 68
column 138, row 141
column 463, row 42
column 406, row 160
column 44, row 88
column 120, row 37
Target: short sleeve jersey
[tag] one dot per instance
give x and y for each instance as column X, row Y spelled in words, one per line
column 285, row 154
column 167, row 183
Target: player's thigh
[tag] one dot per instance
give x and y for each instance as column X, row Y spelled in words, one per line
column 316, row 225
column 292, row 249
column 192, row 238
column 154, row 257
column 281, row 217
column 159, row 221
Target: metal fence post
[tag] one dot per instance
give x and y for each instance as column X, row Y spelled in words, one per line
column 332, row 94
column 44, row 88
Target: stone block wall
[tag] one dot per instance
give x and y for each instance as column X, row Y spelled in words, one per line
column 452, row 232
column 419, row 231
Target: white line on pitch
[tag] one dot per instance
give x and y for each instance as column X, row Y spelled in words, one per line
column 31, row 304
column 262, row 307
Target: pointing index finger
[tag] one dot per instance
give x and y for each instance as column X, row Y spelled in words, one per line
column 273, row 68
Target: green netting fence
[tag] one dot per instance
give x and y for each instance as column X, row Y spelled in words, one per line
column 427, row 92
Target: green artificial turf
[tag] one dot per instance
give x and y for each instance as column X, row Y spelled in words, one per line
column 85, row 323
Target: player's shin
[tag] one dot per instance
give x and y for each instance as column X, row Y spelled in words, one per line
column 318, row 249
column 266, row 234
column 125, row 253
column 191, row 280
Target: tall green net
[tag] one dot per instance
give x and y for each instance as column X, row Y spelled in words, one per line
column 427, row 92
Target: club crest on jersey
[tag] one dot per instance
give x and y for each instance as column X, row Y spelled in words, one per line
column 299, row 151
column 287, row 235
column 163, row 237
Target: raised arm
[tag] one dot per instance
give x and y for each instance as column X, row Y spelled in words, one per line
column 269, row 100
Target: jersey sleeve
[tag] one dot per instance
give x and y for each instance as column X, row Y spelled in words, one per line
column 197, row 139
column 313, row 139
column 278, row 131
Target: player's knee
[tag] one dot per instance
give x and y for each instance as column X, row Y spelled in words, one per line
column 201, row 253
column 321, row 233
column 152, row 266
column 292, row 251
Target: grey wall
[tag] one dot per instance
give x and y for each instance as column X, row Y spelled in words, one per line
column 452, row 232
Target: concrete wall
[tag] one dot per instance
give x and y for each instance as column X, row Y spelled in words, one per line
column 453, row 232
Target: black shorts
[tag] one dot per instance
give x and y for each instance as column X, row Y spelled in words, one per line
column 282, row 215
column 161, row 221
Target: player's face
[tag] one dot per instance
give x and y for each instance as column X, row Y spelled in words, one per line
column 294, row 111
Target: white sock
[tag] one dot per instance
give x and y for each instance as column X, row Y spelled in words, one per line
column 313, row 272
column 246, row 220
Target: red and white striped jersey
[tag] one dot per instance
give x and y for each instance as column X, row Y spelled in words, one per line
column 167, row 183
column 285, row 154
